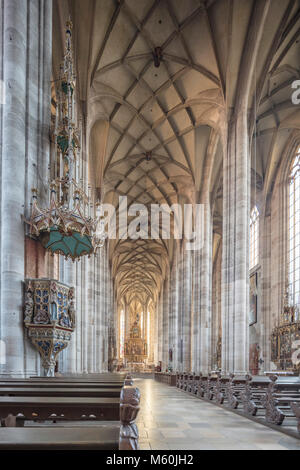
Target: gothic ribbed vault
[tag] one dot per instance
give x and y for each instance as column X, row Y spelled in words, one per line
column 156, row 71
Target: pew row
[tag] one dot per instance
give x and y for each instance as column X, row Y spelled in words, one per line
column 20, row 409
column 70, row 385
column 60, row 392
column 165, row 377
column 112, row 437
column 40, row 404
column 66, row 382
column 273, row 399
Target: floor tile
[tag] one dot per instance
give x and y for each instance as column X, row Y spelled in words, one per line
column 173, row 420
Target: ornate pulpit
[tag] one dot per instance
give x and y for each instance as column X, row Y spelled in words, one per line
column 49, row 318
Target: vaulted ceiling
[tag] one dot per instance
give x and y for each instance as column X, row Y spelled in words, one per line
column 152, row 74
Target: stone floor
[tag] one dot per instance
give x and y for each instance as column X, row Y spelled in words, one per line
column 170, row 419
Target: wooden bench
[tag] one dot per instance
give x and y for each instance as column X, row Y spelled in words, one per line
column 67, row 382
column 78, row 438
column 59, row 392
column 234, row 389
column 57, row 408
column 70, row 385
column 166, row 378
column 76, row 380
column 78, row 404
column 192, row 383
column 112, row 437
column 281, row 393
column 253, row 394
column 219, row 388
column 195, row 384
column 295, row 406
column 179, row 378
column 272, row 398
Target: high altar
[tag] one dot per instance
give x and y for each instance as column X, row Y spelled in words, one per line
column 135, row 348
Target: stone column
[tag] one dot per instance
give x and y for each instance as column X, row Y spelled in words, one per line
column 236, row 206
column 98, row 313
column 25, row 68
column 127, row 320
column 155, row 333
column 266, row 294
column 173, row 312
column 235, row 266
column 160, row 326
column 102, row 306
column 84, row 315
column 89, row 312
column 105, row 310
column 204, row 258
column 186, row 290
column 70, row 352
column 165, row 324
column 216, row 303
column 179, row 288
column 78, row 329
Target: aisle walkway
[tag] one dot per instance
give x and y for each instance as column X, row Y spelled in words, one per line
column 172, row 419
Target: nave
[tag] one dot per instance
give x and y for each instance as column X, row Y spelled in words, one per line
column 172, row 419
column 82, row 413
column 149, row 223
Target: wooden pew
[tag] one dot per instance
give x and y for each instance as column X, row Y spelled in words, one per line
column 185, row 380
column 57, row 408
column 179, row 380
column 68, row 405
column 123, row 437
column 220, row 387
column 201, row 385
column 70, row 385
column 62, row 380
column 234, row 389
column 78, row 438
column 210, row 385
column 59, row 392
column 66, row 382
column 195, row 385
column 253, row 394
column 166, row 378
column 275, row 399
column 295, row 406
column 281, row 393
column 189, row 381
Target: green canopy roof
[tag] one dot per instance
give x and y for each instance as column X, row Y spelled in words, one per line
column 71, row 245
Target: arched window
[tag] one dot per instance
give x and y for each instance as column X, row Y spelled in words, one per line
column 294, row 232
column 254, row 234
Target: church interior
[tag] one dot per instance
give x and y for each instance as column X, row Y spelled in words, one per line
column 128, row 127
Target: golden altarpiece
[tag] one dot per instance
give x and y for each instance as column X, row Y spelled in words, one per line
column 135, row 347
column 285, row 339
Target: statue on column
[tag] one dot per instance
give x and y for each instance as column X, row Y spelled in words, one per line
column 29, row 303
column 71, row 306
column 53, row 301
